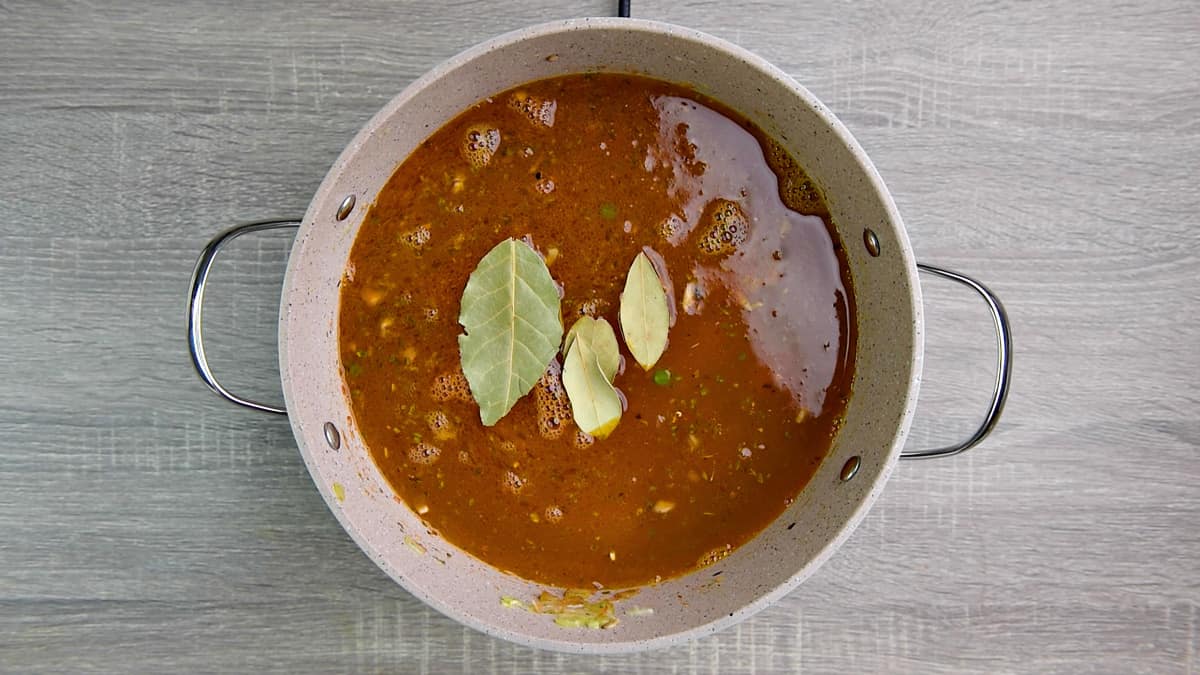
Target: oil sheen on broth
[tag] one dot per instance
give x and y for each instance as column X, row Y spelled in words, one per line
column 717, row 438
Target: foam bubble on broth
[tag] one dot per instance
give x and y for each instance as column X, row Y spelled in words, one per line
column 583, row 439
column 480, row 144
column 439, row 425
column 513, row 482
column 714, row 556
column 424, row 453
column 553, row 407
column 437, row 420
column 416, row 238
column 726, row 229
column 451, row 387
column 540, row 112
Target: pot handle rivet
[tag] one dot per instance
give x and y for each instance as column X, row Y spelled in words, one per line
column 871, row 240
column 850, row 468
column 332, row 437
column 345, row 207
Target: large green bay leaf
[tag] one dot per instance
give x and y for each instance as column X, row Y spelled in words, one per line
column 511, row 312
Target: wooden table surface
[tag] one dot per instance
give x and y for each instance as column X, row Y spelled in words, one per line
column 1049, row 148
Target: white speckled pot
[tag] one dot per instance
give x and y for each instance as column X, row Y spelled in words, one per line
column 787, row 551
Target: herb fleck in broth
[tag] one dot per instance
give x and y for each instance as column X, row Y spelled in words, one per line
column 718, row 436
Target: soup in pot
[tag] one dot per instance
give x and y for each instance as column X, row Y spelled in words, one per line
column 715, row 437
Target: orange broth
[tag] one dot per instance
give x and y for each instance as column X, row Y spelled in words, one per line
column 717, row 438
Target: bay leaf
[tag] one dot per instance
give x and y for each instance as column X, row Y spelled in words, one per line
column 595, row 404
column 511, row 311
column 603, row 341
column 644, row 314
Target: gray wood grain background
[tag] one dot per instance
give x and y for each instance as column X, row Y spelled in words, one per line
column 1050, row 148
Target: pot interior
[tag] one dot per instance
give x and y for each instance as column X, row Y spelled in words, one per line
column 787, row 551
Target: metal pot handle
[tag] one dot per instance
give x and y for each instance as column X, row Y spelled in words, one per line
column 196, row 308
column 1003, row 367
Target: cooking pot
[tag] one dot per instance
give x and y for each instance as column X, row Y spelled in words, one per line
column 886, row 378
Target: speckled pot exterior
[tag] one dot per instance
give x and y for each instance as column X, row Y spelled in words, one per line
column 787, row 551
